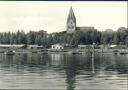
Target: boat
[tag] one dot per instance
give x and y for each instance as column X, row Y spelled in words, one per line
column 122, row 53
column 45, row 52
column 1, row 51
column 76, row 53
column 115, row 51
column 9, row 52
column 34, row 51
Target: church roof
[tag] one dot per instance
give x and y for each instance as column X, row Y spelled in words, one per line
column 85, row 28
column 71, row 15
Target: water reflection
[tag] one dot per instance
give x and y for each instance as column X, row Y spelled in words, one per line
column 57, row 59
column 63, row 71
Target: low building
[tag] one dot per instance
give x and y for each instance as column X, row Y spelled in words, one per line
column 35, row 47
column 85, row 29
column 86, row 46
column 112, row 47
column 82, row 46
column 7, row 46
column 89, row 46
column 57, row 47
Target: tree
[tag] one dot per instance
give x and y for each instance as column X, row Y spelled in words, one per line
column 122, row 33
column 31, row 37
column 107, row 36
column 126, row 40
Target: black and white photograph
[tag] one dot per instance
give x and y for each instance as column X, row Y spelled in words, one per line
column 63, row 45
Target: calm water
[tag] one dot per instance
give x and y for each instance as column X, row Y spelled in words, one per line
column 63, row 71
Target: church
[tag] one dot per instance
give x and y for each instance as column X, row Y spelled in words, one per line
column 71, row 23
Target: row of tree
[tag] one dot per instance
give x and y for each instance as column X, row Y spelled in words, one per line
column 79, row 37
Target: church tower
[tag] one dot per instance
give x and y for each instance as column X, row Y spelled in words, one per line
column 71, row 21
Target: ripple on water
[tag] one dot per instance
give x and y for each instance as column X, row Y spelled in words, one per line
column 62, row 72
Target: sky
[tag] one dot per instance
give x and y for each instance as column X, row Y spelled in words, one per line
column 51, row 16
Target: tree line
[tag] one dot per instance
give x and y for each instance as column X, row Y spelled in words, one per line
column 107, row 37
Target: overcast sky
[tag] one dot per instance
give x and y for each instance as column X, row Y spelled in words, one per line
column 51, row 16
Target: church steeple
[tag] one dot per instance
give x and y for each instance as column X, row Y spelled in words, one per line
column 71, row 15
column 71, row 21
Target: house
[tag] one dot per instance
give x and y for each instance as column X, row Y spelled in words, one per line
column 35, row 47
column 57, row 47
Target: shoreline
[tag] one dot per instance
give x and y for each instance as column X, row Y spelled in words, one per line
column 76, row 51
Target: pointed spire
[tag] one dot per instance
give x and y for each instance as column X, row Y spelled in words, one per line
column 71, row 15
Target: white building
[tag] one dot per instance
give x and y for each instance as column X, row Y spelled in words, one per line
column 35, row 47
column 57, row 46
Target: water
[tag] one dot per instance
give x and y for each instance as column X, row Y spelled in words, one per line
column 63, row 71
